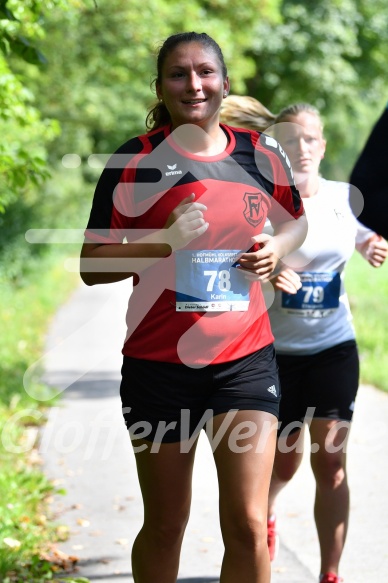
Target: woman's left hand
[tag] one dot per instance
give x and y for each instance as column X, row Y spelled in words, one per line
column 287, row 281
column 259, row 265
column 375, row 250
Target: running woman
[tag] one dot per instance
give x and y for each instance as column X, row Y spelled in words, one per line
column 181, row 210
column 315, row 338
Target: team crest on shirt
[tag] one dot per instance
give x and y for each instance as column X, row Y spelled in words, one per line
column 254, row 208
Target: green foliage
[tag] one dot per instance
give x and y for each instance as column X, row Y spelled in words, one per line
column 22, row 489
column 24, row 315
column 331, row 54
column 24, row 133
column 102, row 62
column 26, row 530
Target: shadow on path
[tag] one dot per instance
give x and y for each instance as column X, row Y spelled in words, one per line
column 89, row 386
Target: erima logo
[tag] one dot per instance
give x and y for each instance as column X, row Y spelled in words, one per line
column 172, row 170
column 272, row 390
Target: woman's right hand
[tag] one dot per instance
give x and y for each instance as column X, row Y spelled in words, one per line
column 107, row 263
column 286, row 280
column 185, row 223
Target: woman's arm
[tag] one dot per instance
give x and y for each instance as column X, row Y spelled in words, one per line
column 286, row 280
column 103, row 263
column 374, row 250
column 288, row 236
column 108, row 263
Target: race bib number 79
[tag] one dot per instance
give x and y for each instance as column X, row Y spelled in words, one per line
column 318, row 297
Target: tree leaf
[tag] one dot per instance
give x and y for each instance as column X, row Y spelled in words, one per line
column 5, row 12
column 24, row 49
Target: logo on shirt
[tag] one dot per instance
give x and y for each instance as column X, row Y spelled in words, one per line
column 254, row 211
column 339, row 214
column 172, row 170
column 274, row 144
column 272, row 389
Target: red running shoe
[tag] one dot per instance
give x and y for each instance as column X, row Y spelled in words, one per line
column 272, row 538
column 330, row 578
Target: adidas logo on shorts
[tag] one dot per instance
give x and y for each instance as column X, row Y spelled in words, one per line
column 272, row 390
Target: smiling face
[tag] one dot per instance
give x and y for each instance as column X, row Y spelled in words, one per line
column 301, row 137
column 192, row 85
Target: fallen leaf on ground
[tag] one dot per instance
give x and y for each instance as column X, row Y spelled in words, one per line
column 62, row 532
column 59, row 558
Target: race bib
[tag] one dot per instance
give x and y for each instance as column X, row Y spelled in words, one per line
column 317, row 298
column 208, row 281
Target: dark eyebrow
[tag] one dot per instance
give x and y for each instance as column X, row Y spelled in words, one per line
column 206, row 64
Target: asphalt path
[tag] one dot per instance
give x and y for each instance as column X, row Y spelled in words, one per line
column 86, row 450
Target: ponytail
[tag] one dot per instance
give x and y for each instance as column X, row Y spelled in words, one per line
column 157, row 117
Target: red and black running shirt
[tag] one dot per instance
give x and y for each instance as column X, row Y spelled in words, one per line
column 141, row 184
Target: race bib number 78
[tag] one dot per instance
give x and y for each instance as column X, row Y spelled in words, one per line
column 208, row 281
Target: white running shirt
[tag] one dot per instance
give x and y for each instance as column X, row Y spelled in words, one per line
column 318, row 316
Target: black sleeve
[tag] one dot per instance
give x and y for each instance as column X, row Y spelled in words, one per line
column 370, row 177
column 101, row 219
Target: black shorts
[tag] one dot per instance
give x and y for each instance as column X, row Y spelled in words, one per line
column 156, row 394
column 326, row 383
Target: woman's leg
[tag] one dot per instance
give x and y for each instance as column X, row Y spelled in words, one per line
column 244, row 465
column 288, row 456
column 331, row 509
column 165, row 482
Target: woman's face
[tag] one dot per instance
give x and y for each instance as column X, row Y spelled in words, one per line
column 302, row 139
column 192, row 85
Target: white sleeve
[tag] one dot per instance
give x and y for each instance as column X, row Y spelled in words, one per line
column 363, row 233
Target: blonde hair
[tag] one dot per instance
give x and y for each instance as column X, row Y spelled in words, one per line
column 246, row 112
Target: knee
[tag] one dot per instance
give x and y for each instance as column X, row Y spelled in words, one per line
column 169, row 534
column 245, row 531
column 285, row 467
column 288, row 457
column 283, row 473
column 167, row 531
column 329, row 470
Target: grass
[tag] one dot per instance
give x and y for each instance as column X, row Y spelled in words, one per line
column 368, row 293
column 27, row 535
